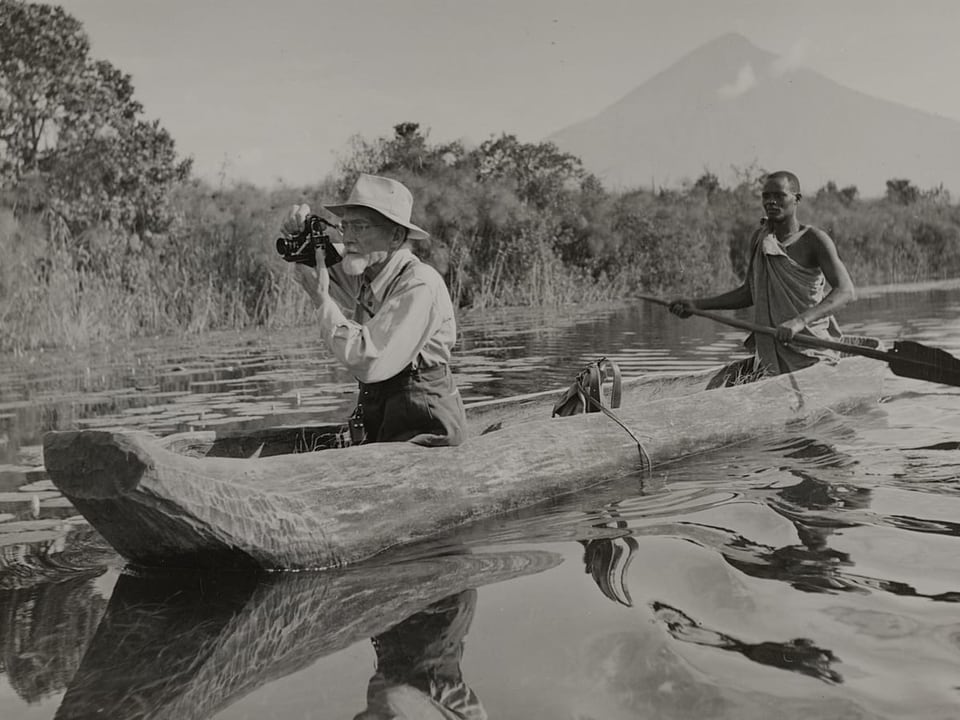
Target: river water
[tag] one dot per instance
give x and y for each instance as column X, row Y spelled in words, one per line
column 812, row 576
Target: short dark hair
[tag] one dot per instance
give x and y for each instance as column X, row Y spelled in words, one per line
column 789, row 177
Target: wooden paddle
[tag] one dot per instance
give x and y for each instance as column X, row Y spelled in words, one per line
column 907, row 359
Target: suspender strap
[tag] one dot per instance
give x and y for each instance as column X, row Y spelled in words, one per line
column 366, row 286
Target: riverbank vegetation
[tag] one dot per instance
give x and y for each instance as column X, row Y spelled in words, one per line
column 105, row 233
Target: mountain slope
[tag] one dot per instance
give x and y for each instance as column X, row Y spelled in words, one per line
column 730, row 104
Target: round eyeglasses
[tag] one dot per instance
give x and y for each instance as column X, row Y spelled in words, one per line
column 357, row 226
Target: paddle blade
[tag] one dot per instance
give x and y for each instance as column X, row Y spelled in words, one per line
column 922, row 362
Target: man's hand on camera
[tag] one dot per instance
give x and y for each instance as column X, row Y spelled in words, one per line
column 294, row 221
column 316, row 281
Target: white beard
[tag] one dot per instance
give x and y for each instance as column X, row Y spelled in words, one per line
column 354, row 264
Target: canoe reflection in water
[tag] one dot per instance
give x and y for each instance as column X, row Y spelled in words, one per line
column 189, row 645
column 45, row 630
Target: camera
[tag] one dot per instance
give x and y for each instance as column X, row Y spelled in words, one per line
column 302, row 247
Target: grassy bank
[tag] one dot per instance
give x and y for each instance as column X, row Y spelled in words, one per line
column 219, row 269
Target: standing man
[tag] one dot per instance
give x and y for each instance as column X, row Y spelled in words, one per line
column 399, row 329
column 785, row 284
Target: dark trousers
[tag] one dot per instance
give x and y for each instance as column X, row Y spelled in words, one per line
column 421, row 406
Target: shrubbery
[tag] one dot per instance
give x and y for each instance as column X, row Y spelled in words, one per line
column 502, row 234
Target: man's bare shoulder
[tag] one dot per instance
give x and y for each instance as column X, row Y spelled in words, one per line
column 818, row 235
column 814, row 240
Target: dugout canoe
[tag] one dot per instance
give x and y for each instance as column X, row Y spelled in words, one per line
column 252, row 501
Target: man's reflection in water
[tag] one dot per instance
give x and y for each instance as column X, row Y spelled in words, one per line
column 798, row 655
column 815, row 508
column 418, row 673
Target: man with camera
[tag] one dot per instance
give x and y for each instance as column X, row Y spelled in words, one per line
column 398, row 330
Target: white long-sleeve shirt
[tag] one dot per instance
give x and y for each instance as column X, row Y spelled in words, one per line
column 413, row 320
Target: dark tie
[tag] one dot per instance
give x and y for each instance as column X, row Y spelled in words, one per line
column 362, row 310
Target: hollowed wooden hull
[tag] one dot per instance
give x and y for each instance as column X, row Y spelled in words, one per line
column 202, row 500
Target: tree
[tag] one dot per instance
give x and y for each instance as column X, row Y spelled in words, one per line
column 849, row 194
column 42, row 56
column 541, row 173
column 845, row 195
column 708, row 184
column 74, row 122
column 902, row 191
column 406, row 152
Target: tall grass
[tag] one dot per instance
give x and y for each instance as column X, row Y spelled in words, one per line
column 218, row 269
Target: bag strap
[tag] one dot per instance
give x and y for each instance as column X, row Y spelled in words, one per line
column 589, row 382
column 615, row 389
column 593, row 405
column 598, row 373
column 585, row 394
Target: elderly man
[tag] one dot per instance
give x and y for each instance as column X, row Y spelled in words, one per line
column 785, row 284
column 401, row 330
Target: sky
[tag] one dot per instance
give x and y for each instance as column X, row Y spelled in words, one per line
column 272, row 91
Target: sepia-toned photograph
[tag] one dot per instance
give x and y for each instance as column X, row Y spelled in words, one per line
column 479, row 359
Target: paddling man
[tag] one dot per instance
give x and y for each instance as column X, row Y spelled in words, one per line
column 789, row 263
column 398, row 337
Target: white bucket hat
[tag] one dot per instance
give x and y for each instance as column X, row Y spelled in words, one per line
column 388, row 197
